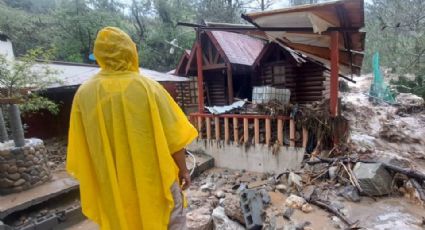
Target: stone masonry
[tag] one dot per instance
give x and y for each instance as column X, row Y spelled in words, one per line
column 23, row 168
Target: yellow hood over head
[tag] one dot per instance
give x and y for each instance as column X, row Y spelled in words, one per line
column 115, row 51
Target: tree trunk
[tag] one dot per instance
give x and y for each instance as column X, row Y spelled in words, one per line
column 3, row 130
column 16, row 125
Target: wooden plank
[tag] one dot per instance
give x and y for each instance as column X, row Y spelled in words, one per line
column 217, row 128
column 245, row 130
column 226, row 129
column 257, row 131
column 280, row 131
column 292, row 132
column 333, row 103
column 205, row 59
column 200, row 127
column 208, row 123
column 230, row 84
column 268, row 131
column 200, row 75
column 214, row 66
column 305, row 137
column 235, row 130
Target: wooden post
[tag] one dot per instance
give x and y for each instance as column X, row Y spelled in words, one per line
column 226, row 130
column 235, row 130
column 292, row 132
column 200, row 73
column 257, row 131
column 217, row 128
column 305, row 137
column 208, row 121
column 268, row 131
column 200, row 127
column 245, row 130
column 280, row 131
column 334, row 73
column 230, row 83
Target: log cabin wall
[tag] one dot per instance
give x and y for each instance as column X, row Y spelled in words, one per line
column 187, row 95
column 308, row 82
column 312, row 84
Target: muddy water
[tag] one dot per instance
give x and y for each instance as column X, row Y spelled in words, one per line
column 386, row 213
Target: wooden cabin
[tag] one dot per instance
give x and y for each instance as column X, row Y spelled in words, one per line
column 276, row 66
column 227, row 60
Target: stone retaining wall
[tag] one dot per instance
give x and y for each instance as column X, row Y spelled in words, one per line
column 23, row 168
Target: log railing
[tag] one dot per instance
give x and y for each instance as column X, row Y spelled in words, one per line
column 252, row 129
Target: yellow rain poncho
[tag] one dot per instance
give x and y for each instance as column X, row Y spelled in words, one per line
column 123, row 131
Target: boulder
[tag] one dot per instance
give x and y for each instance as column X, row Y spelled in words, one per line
column 222, row 222
column 294, row 201
column 373, row 178
column 199, row 219
column 232, row 208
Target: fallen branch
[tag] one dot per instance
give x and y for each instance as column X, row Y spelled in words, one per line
column 419, row 188
column 408, row 172
column 334, row 211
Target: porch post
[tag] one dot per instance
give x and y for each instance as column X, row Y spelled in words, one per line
column 334, row 73
column 200, row 73
column 230, row 83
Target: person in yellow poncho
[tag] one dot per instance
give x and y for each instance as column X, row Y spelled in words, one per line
column 126, row 141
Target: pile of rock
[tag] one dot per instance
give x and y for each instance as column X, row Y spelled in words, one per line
column 56, row 153
column 23, row 168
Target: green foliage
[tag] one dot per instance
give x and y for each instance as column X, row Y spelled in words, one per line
column 26, row 77
column 396, row 29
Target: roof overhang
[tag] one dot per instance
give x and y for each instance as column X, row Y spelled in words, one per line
column 306, row 29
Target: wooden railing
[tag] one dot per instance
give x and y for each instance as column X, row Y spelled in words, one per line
column 254, row 129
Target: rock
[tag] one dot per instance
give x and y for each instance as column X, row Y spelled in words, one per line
column 232, row 208
column 295, row 201
column 337, row 222
column 208, row 187
column 220, row 194
column 199, row 219
column 222, row 222
column 373, row 178
column 12, row 169
column 257, row 184
column 350, row 193
column 409, row 103
column 280, row 223
column 333, row 172
column 265, row 196
column 288, row 213
column 307, row 208
column 19, row 182
column 14, row 176
column 294, row 179
column 281, row 188
column 308, row 191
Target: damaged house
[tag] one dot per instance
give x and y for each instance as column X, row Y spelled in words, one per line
column 301, row 51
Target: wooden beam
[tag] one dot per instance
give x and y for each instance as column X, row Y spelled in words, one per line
column 280, row 131
column 230, row 84
column 292, row 132
column 334, row 73
column 257, row 131
column 235, row 130
column 245, row 130
column 210, row 57
column 217, row 128
column 205, row 59
column 268, row 131
column 208, row 124
column 200, row 127
column 200, row 74
column 214, row 66
column 226, row 129
column 305, row 137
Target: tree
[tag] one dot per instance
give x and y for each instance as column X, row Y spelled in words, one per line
column 22, row 80
column 302, row 2
column 396, row 29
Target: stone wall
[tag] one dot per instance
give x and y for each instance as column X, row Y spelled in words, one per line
column 23, row 168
